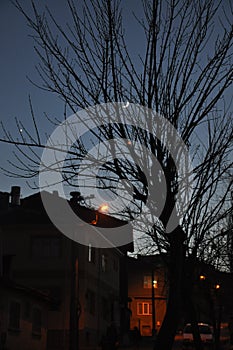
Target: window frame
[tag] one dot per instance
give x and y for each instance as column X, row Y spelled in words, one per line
column 143, row 305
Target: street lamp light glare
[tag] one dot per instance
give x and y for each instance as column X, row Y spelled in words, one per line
column 103, row 208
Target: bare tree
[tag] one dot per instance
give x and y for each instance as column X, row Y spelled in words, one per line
column 183, row 74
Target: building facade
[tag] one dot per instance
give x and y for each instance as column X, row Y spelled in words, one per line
column 83, row 281
column 147, row 290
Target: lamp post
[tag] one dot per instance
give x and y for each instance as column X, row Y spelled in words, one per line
column 218, row 314
column 213, row 293
column 153, row 302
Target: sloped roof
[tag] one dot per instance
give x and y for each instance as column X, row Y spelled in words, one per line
column 31, row 211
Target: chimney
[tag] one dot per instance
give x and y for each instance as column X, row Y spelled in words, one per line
column 15, row 196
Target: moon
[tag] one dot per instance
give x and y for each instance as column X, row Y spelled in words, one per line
column 126, row 105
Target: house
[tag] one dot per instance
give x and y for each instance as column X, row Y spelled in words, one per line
column 147, row 291
column 212, row 294
column 23, row 317
column 85, row 281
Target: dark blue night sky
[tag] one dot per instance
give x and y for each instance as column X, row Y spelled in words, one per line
column 18, row 60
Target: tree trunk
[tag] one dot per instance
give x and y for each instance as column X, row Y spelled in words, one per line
column 194, row 323
column 168, row 329
column 189, row 281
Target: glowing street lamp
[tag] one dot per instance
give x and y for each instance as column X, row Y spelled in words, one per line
column 103, row 208
column 155, row 284
column 202, row 277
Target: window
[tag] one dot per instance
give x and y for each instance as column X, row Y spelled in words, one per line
column 147, row 282
column 104, row 262
column 14, row 315
column 105, row 308
column 90, row 296
column 36, row 321
column 91, row 254
column 144, row 308
column 27, row 309
column 46, row 247
column 115, row 264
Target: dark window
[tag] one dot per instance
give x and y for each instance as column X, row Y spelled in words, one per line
column 105, row 308
column 115, row 264
column 104, row 262
column 90, row 302
column 27, row 309
column 46, row 247
column 14, row 315
column 36, row 320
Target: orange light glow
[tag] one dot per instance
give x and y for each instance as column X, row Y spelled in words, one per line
column 103, row 208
